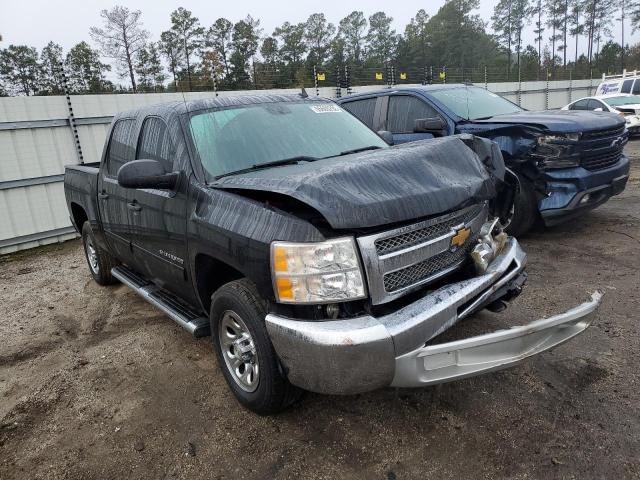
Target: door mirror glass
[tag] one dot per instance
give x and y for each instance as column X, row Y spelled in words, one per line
column 146, row 174
column 434, row 125
column 386, row 136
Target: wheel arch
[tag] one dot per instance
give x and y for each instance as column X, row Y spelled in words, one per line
column 79, row 215
column 210, row 274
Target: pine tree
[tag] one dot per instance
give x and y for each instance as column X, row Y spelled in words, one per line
column 170, row 47
column 537, row 12
column 121, row 38
column 318, row 36
column 190, row 36
column 219, row 38
column 51, row 63
column 20, row 70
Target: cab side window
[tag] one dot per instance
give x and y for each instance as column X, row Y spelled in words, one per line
column 363, row 110
column 636, row 87
column 404, row 110
column 593, row 104
column 155, row 143
column 626, row 86
column 122, row 146
column 580, row 105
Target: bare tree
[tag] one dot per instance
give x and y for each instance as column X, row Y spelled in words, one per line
column 121, row 38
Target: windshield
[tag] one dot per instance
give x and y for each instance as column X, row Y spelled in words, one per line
column 246, row 137
column 473, row 103
column 622, row 100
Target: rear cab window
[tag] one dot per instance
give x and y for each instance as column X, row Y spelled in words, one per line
column 363, row 110
column 122, row 146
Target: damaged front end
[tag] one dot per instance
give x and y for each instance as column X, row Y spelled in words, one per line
column 415, row 243
column 389, row 345
column 367, row 352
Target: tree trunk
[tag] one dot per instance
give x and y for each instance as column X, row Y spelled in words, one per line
column 577, row 35
column 622, row 5
column 566, row 18
column 186, row 54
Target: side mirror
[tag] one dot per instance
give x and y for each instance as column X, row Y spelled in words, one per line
column 386, row 136
column 599, row 109
column 435, row 125
column 146, row 174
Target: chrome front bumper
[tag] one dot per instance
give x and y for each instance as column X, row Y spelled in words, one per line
column 364, row 353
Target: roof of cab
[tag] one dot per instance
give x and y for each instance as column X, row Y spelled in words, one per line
column 188, row 106
column 411, row 88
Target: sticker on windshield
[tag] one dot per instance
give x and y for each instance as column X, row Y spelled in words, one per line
column 325, row 108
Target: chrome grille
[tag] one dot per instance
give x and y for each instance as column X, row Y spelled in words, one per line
column 401, row 260
column 438, row 264
column 602, row 148
column 409, row 239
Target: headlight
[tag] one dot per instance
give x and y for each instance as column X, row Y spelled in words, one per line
column 559, row 138
column 556, row 151
column 316, row 272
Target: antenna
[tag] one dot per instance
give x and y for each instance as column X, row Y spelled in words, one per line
column 184, row 99
column 304, row 93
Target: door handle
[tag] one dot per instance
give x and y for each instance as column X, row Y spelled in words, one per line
column 134, row 206
column 103, row 196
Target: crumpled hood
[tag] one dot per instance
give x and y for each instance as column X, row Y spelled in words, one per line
column 560, row 121
column 372, row 188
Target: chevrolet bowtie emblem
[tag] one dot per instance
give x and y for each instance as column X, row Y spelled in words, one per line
column 460, row 237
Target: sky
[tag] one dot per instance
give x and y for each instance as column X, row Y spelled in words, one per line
column 36, row 22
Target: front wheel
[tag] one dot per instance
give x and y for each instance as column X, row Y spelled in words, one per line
column 99, row 260
column 525, row 209
column 245, row 353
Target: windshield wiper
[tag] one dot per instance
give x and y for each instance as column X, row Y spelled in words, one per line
column 275, row 163
column 356, row 150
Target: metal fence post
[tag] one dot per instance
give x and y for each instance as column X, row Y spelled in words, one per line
column 591, row 81
column 215, row 84
column 444, row 76
column 347, row 79
column 338, row 86
column 570, row 86
column 393, row 75
column 546, row 92
column 315, row 80
column 486, row 81
column 430, row 74
column 72, row 118
column 519, row 94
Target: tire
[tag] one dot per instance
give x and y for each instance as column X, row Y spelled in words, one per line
column 100, row 261
column 236, row 310
column 525, row 212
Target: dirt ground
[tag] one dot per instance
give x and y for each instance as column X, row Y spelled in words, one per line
column 95, row 383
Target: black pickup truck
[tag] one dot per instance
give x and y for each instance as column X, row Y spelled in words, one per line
column 316, row 256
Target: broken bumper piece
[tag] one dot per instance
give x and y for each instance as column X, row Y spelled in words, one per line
column 365, row 353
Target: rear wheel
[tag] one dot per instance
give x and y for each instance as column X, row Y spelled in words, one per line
column 99, row 260
column 525, row 209
column 245, row 353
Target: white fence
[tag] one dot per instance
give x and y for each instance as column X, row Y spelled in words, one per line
column 38, row 138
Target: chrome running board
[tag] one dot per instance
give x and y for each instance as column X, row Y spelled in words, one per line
column 180, row 313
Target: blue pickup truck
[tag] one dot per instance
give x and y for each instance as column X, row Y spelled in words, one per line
column 566, row 161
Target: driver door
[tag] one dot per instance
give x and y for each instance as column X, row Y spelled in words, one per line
column 159, row 217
